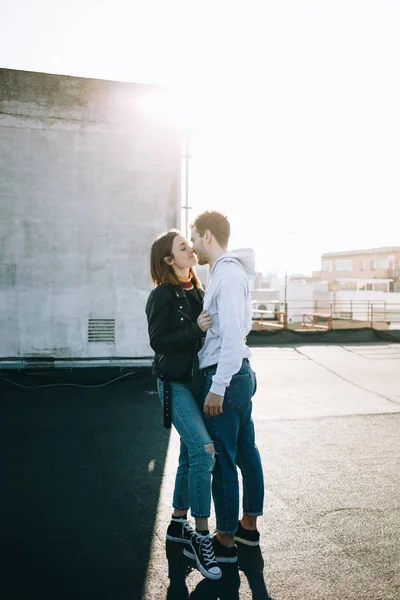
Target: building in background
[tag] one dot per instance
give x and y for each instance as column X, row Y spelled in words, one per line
column 265, row 296
column 89, row 174
column 376, row 269
column 360, row 286
column 353, row 289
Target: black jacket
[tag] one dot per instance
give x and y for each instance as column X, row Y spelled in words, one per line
column 174, row 334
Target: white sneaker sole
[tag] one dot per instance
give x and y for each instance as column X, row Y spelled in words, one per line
column 220, row 559
column 246, row 542
column 200, row 567
column 180, row 540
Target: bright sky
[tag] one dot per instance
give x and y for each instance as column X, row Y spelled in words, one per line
column 295, row 104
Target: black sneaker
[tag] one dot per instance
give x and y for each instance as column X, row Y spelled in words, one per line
column 247, row 537
column 180, row 530
column 202, row 552
column 223, row 554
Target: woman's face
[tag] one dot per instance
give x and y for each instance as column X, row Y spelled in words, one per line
column 183, row 256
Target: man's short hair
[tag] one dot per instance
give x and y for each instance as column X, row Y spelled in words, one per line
column 216, row 223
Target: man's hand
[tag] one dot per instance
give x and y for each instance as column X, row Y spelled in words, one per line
column 213, row 405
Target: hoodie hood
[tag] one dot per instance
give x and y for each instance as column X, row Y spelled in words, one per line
column 243, row 256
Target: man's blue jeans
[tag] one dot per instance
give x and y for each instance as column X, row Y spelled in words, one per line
column 196, row 459
column 234, row 439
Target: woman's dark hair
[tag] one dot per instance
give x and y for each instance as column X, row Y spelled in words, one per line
column 162, row 272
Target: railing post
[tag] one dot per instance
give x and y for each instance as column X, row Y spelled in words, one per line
column 351, row 310
column 372, row 316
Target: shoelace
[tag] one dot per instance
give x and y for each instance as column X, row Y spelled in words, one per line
column 206, row 548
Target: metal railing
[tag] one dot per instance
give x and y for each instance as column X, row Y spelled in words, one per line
column 325, row 314
column 378, row 311
column 313, row 321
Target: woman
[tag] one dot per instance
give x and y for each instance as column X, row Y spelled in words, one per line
column 177, row 326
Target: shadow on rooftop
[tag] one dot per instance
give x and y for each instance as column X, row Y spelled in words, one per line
column 84, row 471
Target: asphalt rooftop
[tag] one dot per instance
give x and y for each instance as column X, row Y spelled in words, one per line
column 90, row 472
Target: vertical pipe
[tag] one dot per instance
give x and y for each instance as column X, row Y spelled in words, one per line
column 285, row 303
column 285, row 287
column 187, row 186
column 179, row 186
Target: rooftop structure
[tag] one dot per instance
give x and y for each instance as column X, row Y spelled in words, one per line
column 90, row 174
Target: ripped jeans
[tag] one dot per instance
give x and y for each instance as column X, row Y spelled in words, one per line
column 196, row 459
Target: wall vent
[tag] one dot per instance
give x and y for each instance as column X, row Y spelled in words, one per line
column 101, row 330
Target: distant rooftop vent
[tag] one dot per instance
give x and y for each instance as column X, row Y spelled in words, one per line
column 101, row 330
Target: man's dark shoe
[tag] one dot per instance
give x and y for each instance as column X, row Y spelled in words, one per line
column 247, row 537
column 178, row 592
column 180, row 530
column 201, row 550
column 222, row 553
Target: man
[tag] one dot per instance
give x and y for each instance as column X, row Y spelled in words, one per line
column 229, row 384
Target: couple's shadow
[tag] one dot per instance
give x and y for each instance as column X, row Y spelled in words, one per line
column 250, row 562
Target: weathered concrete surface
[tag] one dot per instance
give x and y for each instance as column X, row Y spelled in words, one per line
column 328, row 428
column 91, row 474
column 328, row 419
column 89, row 175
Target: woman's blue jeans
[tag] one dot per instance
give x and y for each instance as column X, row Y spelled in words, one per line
column 234, row 438
column 197, row 455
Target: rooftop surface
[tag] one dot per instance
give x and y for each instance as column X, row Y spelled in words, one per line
column 90, row 471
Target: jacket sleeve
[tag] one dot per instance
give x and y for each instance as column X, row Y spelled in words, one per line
column 162, row 340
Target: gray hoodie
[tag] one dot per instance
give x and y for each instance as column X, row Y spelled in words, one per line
column 228, row 301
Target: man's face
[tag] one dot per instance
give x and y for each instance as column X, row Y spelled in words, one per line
column 198, row 247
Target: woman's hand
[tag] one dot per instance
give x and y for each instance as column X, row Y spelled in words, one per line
column 204, row 321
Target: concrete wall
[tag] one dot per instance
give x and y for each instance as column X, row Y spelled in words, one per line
column 89, row 174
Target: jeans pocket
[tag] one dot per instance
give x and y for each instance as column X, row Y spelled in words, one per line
column 240, row 390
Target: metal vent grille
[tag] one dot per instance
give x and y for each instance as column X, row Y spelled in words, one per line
column 101, row 330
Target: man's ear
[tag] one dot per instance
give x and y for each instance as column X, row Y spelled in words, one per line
column 207, row 235
column 168, row 260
